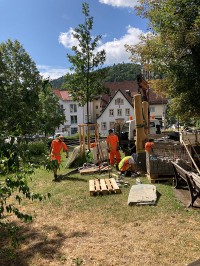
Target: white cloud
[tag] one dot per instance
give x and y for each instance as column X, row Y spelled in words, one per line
column 67, row 39
column 52, row 73
column 120, row 3
column 115, row 50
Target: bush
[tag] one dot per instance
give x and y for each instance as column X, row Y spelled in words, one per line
column 37, row 148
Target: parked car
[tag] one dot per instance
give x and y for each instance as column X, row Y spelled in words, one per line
column 38, row 136
column 57, row 134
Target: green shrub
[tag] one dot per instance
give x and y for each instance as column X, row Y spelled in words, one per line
column 37, row 148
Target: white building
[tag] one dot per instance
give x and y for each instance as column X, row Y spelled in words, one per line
column 74, row 113
column 107, row 109
column 118, row 110
column 157, row 104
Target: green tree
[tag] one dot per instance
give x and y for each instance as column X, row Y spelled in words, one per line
column 21, row 103
column 50, row 114
column 27, row 104
column 173, row 51
column 20, row 86
column 86, row 83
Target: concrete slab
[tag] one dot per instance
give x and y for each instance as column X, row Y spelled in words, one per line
column 142, row 194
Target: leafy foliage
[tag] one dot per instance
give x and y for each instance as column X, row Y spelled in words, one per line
column 121, row 72
column 24, row 104
column 27, row 105
column 15, row 167
column 173, row 51
column 19, row 87
column 50, row 115
column 85, row 83
column 115, row 73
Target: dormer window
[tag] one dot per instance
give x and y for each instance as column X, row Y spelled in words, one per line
column 119, row 101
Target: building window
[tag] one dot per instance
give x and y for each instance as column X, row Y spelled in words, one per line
column 112, row 125
column 73, row 108
column 152, row 109
column 60, row 108
column 74, row 130
column 103, row 126
column 119, row 101
column 127, row 111
column 97, row 107
column 73, row 119
column 111, row 112
column 119, row 112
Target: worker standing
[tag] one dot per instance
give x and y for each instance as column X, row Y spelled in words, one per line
column 112, row 141
column 149, row 146
column 57, row 146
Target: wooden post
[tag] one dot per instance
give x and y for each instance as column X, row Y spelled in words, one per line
column 197, row 168
column 145, row 107
column 82, row 139
column 88, row 136
column 140, row 133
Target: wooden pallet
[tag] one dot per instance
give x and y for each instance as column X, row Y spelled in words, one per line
column 155, row 178
column 103, row 186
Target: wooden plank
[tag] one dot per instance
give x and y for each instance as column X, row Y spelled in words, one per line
column 115, row 186
column 159, row 178
column 108, row 184
column 92, row 187
column 89, row 170
column 197, row 168
column 105, row 168
column 103, row 186
column 97, row 185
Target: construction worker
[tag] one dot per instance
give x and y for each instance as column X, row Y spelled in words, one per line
column 149, row 146
column 57, row 146
column 113, row 147
column 128, row 164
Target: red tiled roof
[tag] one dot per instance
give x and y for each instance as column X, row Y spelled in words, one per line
column 63, row 95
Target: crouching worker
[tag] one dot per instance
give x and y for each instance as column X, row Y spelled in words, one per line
column 128, row 165
column 57, row 146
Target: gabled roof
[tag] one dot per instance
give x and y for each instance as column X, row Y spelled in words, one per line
column 63, row 95
column 130, row 88
column 126, row 96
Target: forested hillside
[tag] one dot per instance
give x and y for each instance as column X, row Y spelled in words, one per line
column 119, row 72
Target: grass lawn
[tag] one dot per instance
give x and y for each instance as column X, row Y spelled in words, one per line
column 74, row 228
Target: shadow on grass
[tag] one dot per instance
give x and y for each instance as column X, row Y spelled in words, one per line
column 70, row 178
column 34, row 244
column 158, row 196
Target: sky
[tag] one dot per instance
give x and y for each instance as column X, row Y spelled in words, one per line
column 44, row 29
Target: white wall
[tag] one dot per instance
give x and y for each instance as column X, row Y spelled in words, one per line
column 107, row 118
column 67, row 126
column 159, row 112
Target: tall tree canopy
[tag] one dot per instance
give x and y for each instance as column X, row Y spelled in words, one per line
column 24, row 98
column 172, row 50
column 20, row 84
column 85, row 83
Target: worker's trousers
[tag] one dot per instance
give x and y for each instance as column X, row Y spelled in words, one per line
column 114, row 155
